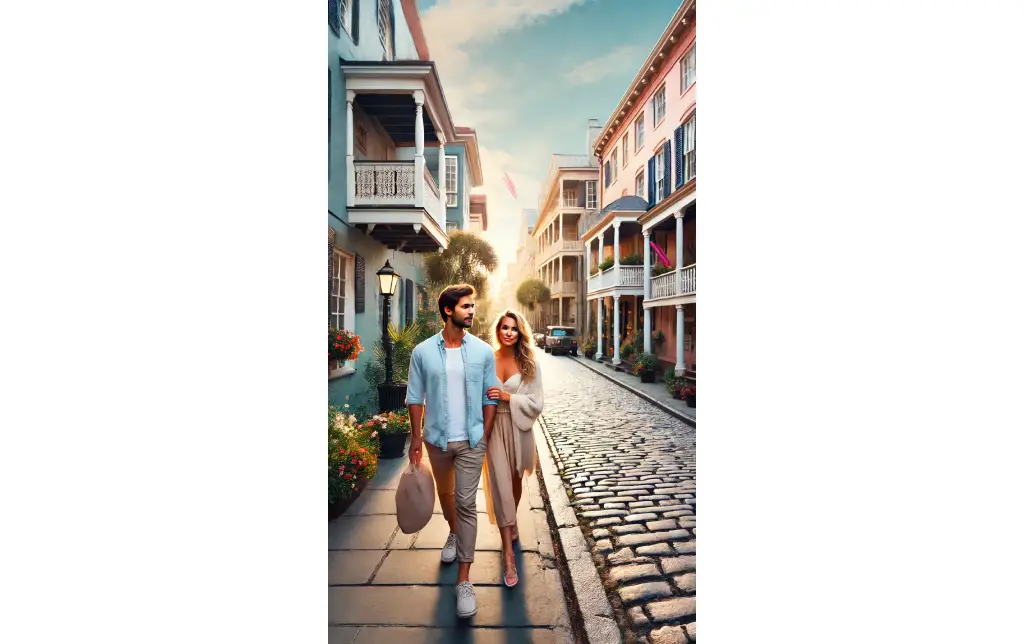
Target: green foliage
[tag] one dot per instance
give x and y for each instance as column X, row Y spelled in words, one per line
column 658, row 338
column 645, row 363
column 635, row 259
column 532, row 292
column 606, row 264
column 660, row 269
column 468, row 259
column 403, row 342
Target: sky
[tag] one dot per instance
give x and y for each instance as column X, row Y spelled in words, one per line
column 527, row 75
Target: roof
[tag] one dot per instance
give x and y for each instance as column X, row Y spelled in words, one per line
column 466, row 137
column 574, row 161
column 629, row 202
column 650, row 66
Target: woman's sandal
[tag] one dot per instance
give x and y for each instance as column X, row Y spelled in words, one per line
column 514, row 575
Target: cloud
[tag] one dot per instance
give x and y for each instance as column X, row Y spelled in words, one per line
column 452, row 27
column 617, row 60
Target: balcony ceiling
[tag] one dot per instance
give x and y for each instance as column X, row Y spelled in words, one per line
column 397, row 115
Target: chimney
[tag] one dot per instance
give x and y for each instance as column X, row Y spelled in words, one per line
column 593, row 129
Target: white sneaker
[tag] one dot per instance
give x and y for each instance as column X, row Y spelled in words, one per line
column 465, row 600
column 448, row 552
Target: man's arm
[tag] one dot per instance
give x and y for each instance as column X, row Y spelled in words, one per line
column 414, row 401
column 490, row 407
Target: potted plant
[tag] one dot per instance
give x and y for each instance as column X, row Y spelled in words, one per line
column 342, row 346
column 658, row 338
column 644, row 367
column 634, row 259
column 660, row 269
column 688, row 392
column 352, row 455
column 606, row 264
column 393, row 427
column 589, row 347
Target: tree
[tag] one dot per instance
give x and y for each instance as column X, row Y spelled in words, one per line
column 532, row 292
column 469, row 259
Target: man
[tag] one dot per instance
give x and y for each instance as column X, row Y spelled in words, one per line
column 450, row 373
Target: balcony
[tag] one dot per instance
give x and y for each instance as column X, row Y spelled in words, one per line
column 397, row 207
column 630, row 277
column 560, row 246
column 564, row 289
column 401, row 105
column 665, row 286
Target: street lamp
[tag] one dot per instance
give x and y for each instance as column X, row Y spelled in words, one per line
column 390, row 395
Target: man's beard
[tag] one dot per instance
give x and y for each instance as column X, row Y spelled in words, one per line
column 464, row 323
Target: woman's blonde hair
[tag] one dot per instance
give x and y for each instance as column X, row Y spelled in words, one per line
column 524, row 345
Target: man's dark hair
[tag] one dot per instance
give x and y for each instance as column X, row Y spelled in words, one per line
column 450, row 297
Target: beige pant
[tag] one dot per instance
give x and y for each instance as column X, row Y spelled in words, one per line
column 457, row 473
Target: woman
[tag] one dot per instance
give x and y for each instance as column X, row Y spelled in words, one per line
column 511, row 448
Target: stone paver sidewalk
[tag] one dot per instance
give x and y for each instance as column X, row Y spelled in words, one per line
column 653, row 390
column 386, row 586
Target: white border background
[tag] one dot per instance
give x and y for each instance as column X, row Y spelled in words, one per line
column 163, row 197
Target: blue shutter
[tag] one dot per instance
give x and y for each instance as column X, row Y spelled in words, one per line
column 607, row 174
column 679, row 156
column 668, row 167
column 650, row 181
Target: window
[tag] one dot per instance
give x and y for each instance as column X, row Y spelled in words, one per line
column 615, row 165
column 591, row 195
column 625, row 149
column 451, row 226
column 569, row 198
column 341, row 313
column 688, row 69
column 345, row 13
column 451, row 181
column 607, row 174
column 641, row 188
column 658, row 104
column 659, row 175
column 384, row 27
column 690, row 149
column 638, row 134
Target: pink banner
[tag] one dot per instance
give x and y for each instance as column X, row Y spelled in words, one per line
column 661, row 254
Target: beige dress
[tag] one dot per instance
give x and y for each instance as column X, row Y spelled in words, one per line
column 511, row 449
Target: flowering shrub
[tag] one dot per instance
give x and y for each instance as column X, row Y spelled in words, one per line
column 645, row 363
column 392, row 422
column 352, row 453
column 680, row 388
column 342, row 345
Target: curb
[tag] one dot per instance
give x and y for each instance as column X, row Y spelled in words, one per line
column 587, row 591
column 657, row 403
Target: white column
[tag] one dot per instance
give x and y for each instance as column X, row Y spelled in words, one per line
column 586, row 259
column 598, row 354
column 615, row 331
column 350, row 148
column 618, row 281
column 679, row 253
column 680, row 322
column 561, row 228
column 647, row 290
column 442, row 176
column 419, row 162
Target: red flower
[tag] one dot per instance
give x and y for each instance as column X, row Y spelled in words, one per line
column 348, row 476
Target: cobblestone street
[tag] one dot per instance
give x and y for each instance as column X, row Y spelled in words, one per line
column 629, row 469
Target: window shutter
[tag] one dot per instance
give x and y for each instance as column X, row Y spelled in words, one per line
column 668, row 167
column 360, row 284
column 355, row 21
column 679, row 157
column 651, row 180
column 607, row 174
column 409, row 308
column 330, row 269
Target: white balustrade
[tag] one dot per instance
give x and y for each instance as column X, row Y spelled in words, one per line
column 631, row 276
column 385, row 182
column 665, row 285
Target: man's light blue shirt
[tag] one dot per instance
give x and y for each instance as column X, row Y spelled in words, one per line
column 428, row 386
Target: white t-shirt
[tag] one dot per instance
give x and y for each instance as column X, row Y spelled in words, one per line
column 458, row 429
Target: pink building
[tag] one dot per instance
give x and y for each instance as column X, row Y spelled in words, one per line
column 640, row 248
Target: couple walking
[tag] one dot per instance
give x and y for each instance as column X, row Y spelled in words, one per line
column 481, row 404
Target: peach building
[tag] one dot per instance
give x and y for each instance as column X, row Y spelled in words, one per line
column 640, row 247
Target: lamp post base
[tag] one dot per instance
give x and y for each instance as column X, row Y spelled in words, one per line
column 391, row 396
